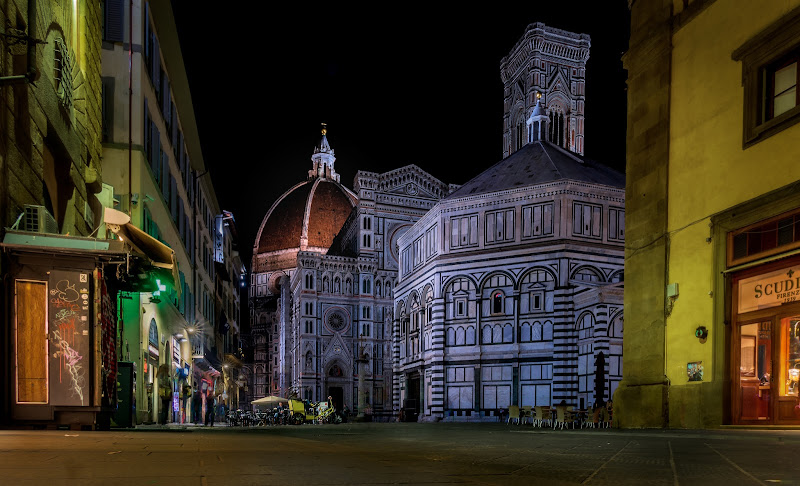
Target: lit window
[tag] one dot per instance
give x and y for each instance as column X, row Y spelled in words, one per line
column 497, row 302
column 770, row 77
column 782, row 87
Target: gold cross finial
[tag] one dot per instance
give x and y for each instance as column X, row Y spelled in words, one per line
column 324, row 128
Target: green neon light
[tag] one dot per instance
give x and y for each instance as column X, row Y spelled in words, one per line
column 161, row 288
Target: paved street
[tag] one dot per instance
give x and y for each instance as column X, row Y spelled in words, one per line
column 398, row 454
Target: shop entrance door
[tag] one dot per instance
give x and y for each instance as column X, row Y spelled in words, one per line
column 768, row 365
column 755, row 372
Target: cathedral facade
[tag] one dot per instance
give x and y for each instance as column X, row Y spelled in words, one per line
column 325, row 268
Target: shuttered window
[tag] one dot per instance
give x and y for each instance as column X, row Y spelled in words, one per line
column 113, row 20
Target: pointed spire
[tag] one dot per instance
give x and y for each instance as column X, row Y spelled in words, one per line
column 323, row 159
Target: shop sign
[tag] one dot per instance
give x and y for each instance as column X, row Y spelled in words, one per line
column 175, row 402
column 176, row 351
column 769, row 289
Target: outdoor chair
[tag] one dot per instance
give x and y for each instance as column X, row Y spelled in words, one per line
column 564, row 417
column 513, row 414
column 605, row 418
column 594, row 420
column 526, row 413
column 544, row 416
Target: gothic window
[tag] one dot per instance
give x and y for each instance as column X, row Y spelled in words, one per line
column 520, row 134
column 366, row 286
column 309, row 281
column 336, row 321
column 557, row 127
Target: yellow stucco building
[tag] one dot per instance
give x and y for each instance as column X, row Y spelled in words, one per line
column 712, row 310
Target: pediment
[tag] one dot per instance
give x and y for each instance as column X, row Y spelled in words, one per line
column 411, row 181
column 558, row 82
column 336, row 349
column 411, row 189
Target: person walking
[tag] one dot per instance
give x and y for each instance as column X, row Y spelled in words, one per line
column 210, row 412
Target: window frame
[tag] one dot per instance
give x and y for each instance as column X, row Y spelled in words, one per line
column 766, row 50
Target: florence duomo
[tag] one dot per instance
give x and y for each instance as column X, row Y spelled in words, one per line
column 412, row 297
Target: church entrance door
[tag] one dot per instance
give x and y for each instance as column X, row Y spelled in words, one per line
column 337, row 395
column 411, row 403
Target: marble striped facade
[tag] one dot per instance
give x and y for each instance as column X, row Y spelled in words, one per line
column 519, row 322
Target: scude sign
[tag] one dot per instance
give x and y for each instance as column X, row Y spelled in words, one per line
column 769, row 289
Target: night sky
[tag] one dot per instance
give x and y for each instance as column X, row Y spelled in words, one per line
column 395, row 87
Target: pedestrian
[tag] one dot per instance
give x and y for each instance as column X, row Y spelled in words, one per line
column 196, row 406
column 212, row 410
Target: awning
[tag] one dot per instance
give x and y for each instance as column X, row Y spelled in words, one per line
column 159, row 254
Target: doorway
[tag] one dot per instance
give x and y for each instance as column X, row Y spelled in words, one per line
column 337, row 396
column 767, row 368
column 411, row 403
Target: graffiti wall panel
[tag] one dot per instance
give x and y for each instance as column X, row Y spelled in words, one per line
column 69, row 303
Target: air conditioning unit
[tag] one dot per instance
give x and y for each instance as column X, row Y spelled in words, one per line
column 37, row 219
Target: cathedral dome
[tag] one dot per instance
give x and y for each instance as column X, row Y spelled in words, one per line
column 309, row 215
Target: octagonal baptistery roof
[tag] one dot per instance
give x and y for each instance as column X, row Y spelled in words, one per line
column 306, row 217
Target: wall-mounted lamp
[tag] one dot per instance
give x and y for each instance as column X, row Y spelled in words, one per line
column 701, row 333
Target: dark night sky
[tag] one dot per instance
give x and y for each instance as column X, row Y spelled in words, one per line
column 395, row 87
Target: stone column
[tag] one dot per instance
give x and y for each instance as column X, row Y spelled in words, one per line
column 641, row 399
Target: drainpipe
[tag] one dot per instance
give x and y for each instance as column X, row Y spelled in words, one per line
column 32, row 75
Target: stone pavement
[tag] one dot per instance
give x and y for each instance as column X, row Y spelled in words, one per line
column 399, row 453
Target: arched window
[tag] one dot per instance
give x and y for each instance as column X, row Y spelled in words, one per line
column 497, row 302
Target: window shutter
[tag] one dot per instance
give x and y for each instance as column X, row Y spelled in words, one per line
column 108, row 108
column 114, row 21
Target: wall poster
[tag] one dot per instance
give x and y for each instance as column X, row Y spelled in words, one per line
column 69, row 307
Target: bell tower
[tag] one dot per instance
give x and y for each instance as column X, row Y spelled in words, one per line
column 545, row 70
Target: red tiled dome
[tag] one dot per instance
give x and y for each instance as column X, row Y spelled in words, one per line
column 309, row 215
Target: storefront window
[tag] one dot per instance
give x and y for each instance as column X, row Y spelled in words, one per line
column 790, row 356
